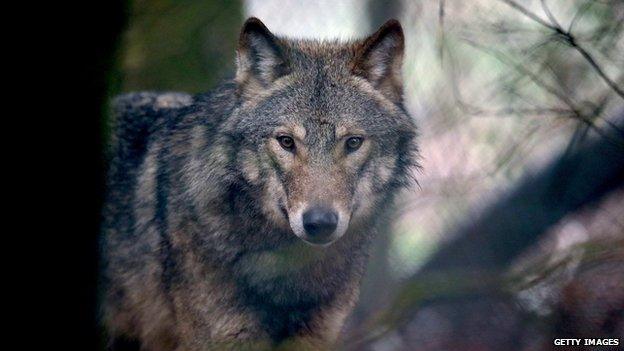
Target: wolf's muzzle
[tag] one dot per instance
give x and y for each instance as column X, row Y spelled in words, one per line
column 320, row 224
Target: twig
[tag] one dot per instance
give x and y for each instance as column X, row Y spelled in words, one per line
column 553, row 91
column 569, row 39
column 581, row 11
column 528, row 13
column 523, row 70
column 599, row 70
column 549, row 14
column 441, row 30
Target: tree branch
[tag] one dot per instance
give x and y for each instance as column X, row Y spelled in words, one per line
column 569, row 39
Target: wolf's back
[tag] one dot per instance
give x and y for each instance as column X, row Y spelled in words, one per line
column 137, row 116
column 139, row 120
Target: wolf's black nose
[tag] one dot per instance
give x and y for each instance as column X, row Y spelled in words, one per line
column 320, row 223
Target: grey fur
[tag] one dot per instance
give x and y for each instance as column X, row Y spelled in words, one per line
column 197, row 243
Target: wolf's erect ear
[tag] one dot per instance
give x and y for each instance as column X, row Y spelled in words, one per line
column 260, row 56
column 379, row 59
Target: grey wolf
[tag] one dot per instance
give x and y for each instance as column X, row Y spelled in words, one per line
column 241, row 218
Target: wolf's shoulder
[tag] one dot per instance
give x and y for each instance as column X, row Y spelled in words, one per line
column 140, row 109
column 151, row 100
column 138, row 116
column 137, row 110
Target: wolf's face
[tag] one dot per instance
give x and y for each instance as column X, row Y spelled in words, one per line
column 323, row 134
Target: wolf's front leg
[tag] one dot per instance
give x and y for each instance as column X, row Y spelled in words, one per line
column 209, row 322
column 323, row 329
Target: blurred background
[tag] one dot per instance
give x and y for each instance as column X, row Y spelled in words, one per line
column 515, row 234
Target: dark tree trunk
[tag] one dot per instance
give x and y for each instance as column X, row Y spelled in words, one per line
column 96, row 33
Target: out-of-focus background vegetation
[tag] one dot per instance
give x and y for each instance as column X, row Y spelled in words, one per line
column 515, row 233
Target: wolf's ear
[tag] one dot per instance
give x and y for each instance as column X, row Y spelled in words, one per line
column 379, row 58
column 259, row 56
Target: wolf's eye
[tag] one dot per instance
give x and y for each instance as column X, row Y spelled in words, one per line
column 286, row 142
column 354, row 143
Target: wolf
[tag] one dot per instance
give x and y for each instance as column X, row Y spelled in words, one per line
column 241, row 218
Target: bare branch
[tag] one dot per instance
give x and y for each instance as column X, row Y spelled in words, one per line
column 549, row 14
column 441, row 39
column 581, row 11
column 577, row 112
column 599, row 70
column 524, row 71
column 569, row 39
column 528, row 13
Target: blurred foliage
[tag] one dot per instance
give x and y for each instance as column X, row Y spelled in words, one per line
column 181, row 45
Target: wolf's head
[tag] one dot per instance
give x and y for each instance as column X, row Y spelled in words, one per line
column 323, row 134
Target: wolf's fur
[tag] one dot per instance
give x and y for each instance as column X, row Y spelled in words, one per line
column 200, row 241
